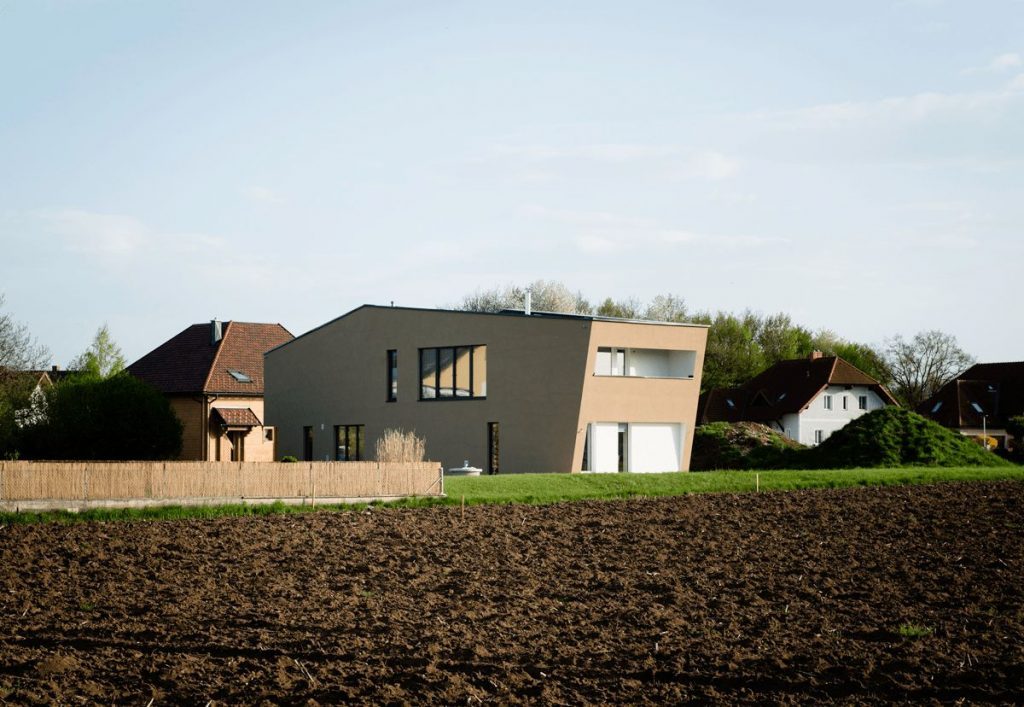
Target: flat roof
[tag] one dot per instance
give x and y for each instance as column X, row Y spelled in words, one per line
column 503, row 313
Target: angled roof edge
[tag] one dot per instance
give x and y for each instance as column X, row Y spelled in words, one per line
column 502, row 313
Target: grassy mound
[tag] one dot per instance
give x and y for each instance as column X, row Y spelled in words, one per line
column 893, row 437
column 741, row 445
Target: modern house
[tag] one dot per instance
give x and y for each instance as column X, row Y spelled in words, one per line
column 213, row 376
column 806, row 399
column 512, row 392
column 980, row 400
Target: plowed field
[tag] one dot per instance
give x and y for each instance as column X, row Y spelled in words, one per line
column 857, row 595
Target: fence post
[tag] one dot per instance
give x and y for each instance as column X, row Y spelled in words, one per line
column 3, row 466
column 440, row 472
column 85, row 484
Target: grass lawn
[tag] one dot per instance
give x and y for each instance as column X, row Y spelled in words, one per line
column 553, row 488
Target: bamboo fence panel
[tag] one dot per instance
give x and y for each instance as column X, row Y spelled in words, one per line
column 129, row 481
column 22, row 482
column 117, row 480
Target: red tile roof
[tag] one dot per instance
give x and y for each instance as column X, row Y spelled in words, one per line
column 237, row 417
column 785, row 388
column 191, row 363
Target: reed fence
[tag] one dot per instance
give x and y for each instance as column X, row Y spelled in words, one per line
column 37, row 485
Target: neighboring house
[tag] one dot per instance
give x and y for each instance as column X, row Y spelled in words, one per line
column 38, row 382
column 508, row 392
column 213, row 376
column 982, row 398
column 805, row 399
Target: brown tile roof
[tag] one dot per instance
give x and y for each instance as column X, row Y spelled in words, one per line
column 783, row 389
column 237, row 417
column 995, row 390
column 191, row 363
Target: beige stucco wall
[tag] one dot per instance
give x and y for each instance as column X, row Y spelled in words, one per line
column 191, row 410
column 540, row 386
column 257, row 447
column 627, row 399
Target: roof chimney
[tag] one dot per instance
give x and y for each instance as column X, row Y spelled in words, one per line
column 815, row 355
column 54, row 369
column 216, row 333
column 527, row 307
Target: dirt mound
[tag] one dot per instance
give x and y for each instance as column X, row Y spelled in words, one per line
column 739, row 445
column 896, row 437
column 880, row 595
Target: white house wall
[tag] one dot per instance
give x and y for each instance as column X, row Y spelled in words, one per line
column 817, row 417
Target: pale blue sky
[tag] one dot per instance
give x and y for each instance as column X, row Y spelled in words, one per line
column 857, row 165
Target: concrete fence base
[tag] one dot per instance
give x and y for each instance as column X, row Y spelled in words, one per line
column 83, row 485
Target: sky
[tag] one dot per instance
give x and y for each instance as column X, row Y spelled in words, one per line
column 855, row 165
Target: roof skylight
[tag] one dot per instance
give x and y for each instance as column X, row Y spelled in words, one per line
column 239, row 376
column 977, row 408
column 935, row 408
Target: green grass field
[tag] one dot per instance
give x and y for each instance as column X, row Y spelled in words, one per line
column 555, row 488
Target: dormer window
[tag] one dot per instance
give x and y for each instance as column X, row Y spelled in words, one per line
column 239, row 376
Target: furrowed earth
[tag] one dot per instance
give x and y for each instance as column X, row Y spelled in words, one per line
column 874, row 595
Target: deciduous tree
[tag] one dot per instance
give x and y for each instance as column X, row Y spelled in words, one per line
column 920, row 366
column 102, row 359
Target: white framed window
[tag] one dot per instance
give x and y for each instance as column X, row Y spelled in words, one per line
column 819, row 435
column 862, row 402
column 828, row 402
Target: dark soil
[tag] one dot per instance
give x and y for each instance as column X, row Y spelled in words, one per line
column 777, row 598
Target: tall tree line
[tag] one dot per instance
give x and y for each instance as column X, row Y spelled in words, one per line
column 741, row 345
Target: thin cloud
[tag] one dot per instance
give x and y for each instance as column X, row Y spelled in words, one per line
column 120, row 237
column 1002, row 63
column 261, row 194
column 672, row 161
column 105, row 235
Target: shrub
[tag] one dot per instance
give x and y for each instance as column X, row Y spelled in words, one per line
column 118, row 418
column 401, row 446
column 289, row 459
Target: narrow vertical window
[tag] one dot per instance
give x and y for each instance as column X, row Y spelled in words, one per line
column 307, row 444
column 818, row 435
column 846, row 402
column 392, row 375
column 862, row 402
column 828, row 402
column 428, row 374
column 623, row 447
column 493, row 448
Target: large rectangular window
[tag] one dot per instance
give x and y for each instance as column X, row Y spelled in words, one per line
column 348, row 444
column 644, row 363
column 453, row 372
column 392, row 375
